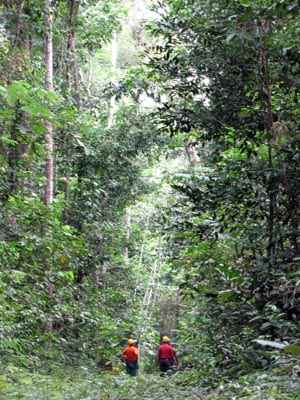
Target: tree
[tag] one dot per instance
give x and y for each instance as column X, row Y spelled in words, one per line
column 48, row 54
column 219, row 70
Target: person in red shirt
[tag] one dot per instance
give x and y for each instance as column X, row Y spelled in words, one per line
column 130, row 356
column 166, row 355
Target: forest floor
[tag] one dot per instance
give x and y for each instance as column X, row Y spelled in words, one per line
column 83, row 384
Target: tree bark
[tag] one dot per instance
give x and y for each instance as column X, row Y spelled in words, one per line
column 49, row 143
column 127, row 223
column 264, row 26
column 14, row 69
column 114, row 65
column 18, row 39
column 13, row 155
column 72, row 67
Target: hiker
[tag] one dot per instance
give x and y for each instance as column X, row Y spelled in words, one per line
column 166, row 355
column 130, row 356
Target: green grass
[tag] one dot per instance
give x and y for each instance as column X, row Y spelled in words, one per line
column 83, row 384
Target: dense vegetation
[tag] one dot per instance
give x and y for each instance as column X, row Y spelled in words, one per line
column 149, row 157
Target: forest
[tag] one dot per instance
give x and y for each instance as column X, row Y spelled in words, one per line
column 149, row 193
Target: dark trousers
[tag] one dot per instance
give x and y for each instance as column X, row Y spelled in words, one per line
column 132, row 368
column 165, row 364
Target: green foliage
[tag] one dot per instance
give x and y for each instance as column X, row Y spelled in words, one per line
column 220, row 72
column 98, row 22
column 63, row 274
column 217, row 238
column 293, row 349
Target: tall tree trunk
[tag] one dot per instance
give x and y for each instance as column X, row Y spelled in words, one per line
column 18, row 37
column 127, row 223
column 114, row 64
column 13, row 155
column 264, row 27
column 49, row 142
column 17, row 59
column 72, row 67
column 48, row 54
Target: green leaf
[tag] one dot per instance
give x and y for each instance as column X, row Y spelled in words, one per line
column 246, row 3
column 17, row 91
column 293, row 349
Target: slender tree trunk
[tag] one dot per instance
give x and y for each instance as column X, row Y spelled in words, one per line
column 127, row 221
column 114, row 64
column 13, row 155
column 72, row 67
column 49, row 143
column 89, row 75
column 19, row 41
column 264, row 27
column 18, row 36
column 48, row 55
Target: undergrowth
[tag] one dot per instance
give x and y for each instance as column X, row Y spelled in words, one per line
column 90, row 384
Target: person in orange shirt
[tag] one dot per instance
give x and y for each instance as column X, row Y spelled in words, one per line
column 166, row 355
column 130, row 356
